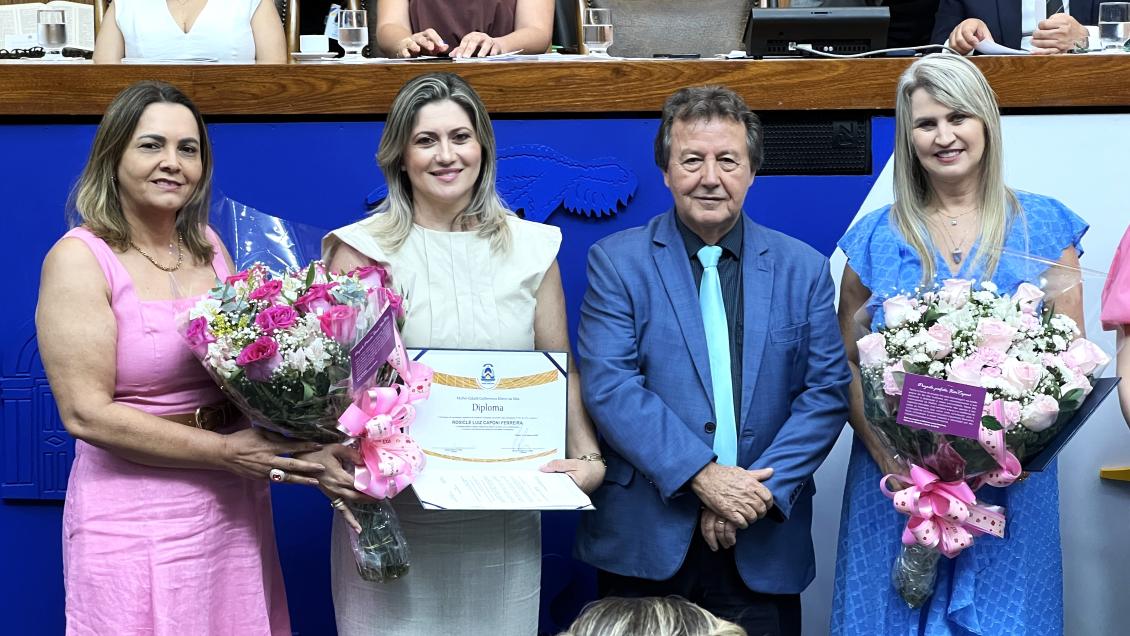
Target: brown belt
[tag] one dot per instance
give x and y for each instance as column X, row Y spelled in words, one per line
column 209, row 418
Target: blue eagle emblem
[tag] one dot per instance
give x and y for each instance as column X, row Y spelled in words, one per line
column 538, row 180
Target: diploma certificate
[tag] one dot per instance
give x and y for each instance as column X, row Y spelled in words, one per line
column 491, row 420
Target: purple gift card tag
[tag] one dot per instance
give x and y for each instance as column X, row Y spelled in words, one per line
column 940, row 406
column 371, row 352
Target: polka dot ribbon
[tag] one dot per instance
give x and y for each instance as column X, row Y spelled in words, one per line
column 1008, row 466
column 944, row 515
column 379, row 419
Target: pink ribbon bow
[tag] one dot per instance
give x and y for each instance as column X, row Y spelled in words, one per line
column 943, row 514
column 1008, row 466
column 379, row 419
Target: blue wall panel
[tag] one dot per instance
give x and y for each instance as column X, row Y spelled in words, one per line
column 317, row 173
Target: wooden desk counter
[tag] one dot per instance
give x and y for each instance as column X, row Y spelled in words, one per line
column 636, row 86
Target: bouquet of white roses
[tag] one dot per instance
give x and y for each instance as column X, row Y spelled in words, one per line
column 1035, row 371
column 280, row 347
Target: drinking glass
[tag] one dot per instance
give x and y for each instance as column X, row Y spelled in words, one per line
column 352, row 33
column 1114, row 24
column 597, row 30
column 52, row 31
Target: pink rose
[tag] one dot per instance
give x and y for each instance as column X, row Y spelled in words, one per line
column 394, row 300
column 939, row 341
column 1029, row 322
column 199, row 336
column 988, row 357
column 965, row 371
column 872, row 350
column 276, row 317
column 1007, row 412
column 1024, row 376
column 995, row 334
column 268, row 291
column 955, row 292
column 1040, row 413
column 893, row 377
column 1084, row 356
column 237, row 277
column 371, row 276
column 991, row 372
column 899, row 310
column 260, row 359
column 1080, row 381
column 339, row 322
column 1028, row 298
column 317, row 299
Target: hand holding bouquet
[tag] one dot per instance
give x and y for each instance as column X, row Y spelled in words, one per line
column 280, row 347
column 1035, row 371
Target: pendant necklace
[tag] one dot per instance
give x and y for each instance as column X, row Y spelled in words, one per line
column 953, row 219
column 956, row 247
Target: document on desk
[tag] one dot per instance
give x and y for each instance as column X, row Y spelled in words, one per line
column 492, row 419
column 988, row 47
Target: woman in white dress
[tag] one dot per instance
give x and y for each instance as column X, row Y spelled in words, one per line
column 228, row 31
column 475, row 276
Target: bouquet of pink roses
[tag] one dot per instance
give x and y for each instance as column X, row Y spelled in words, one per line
column 1035, row 372
column 286, row 350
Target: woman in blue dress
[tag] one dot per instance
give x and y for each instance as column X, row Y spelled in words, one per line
column 953, row 217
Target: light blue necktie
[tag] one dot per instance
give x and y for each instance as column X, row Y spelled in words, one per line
column 718, row 348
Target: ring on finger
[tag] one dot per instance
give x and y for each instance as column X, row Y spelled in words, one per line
column 338, row 504
column 721, row 522
column 276, row 475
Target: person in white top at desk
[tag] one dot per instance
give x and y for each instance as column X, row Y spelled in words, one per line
column 230, row 31
column 1055, row 26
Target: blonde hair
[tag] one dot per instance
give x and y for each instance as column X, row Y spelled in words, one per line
column 95, row 202
column 955, row 83
column 486, row 211
column 649, row 616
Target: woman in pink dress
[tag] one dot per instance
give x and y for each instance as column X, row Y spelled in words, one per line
column 1116, row 315
column 167, row 523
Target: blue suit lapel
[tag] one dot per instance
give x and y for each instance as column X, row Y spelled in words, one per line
column 757, row 293
column 670, row 255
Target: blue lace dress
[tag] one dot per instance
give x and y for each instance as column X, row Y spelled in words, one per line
column 999, row 587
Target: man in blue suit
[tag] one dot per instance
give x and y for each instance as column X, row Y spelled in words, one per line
column 1056, row 26
column 714, row 371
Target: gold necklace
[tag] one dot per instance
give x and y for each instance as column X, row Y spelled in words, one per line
column 953, row 219
column 180, row 254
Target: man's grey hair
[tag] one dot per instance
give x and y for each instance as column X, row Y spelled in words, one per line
column 704, row 103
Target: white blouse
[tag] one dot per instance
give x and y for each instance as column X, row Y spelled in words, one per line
column 221, row 32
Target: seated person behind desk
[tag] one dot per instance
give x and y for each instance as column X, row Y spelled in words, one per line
column 474, row 28
column 232, row 31
column 967, row 22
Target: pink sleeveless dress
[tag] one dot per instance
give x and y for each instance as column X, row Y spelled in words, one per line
column 164, row 551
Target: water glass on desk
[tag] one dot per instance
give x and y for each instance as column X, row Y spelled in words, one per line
column 352, row 33
column 52, row 31
column 1114, row 24
column 597, row 30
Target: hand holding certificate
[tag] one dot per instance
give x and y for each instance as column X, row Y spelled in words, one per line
column 493, row 418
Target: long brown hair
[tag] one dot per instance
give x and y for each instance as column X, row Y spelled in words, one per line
column 95, row 200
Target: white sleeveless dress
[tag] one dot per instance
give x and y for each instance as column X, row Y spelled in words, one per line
column 472, row 573
column 222, row 31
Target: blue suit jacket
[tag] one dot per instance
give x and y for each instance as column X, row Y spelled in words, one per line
column 646, row 380
column 1001, row 16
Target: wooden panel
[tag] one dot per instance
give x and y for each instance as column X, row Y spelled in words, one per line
column 1069, row 81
